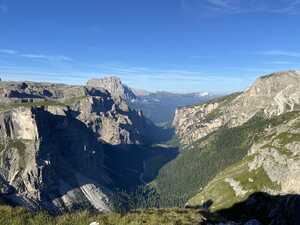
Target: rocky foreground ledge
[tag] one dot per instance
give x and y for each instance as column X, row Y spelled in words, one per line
column 258, row 209
column 19, row 216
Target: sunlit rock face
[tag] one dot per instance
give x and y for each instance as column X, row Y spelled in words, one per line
column 51, row 144
column 114, row 86
column 270, row 95
column 269, row 114
column 50, row 161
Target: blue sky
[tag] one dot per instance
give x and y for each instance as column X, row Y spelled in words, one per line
column 174, row 45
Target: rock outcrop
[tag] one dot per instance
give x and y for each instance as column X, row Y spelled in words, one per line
column 149, row 102
column 114, row 86
column 270, row 95
column 31, row 91
column 51, row 144
column 107, row 115
column 271, row 164
column 50, row 161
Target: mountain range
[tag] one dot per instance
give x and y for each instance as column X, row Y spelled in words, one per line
column 235, row 157
column 150, row 102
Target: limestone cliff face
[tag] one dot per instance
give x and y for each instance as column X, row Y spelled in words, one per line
column 50, row 161
column 272, row 163
column 13, row 91
column 114, row 86
column 51, row 148
column 271, row 95
column 191, row 123
column 18, row 124
column 112, row 120
column 109, row 116
column 15, row 154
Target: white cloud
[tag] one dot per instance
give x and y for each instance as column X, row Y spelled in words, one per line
column 282, row 63
column 58, row 58
column 38, row 74
column 280, row 53
column 152, row 79
column 34, row 56
column 208, row 7
column 178, row 75
column 8, row 51
column 46, row 57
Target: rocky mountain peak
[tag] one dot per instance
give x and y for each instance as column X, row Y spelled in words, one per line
column 268, row 113
column 274, row 83
column 271, row 95
column 113, row 85
column 281, row 74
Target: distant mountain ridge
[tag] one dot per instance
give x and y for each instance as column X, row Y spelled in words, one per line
column 150, row 102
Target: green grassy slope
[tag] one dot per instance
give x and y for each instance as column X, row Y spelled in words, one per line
column 20, row 216
column 192, row 170
column 194, row 167
column 249, row 180
column 222, row 194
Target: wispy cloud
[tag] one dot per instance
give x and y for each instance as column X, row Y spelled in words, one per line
column 282, row 63
column 46, row 57
column 52, row 58
column 8, row 51
column 138, row 74
column 209, row 7
column 280, row 53
column 149, row 78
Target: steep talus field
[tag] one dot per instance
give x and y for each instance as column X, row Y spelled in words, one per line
column 237, row 145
